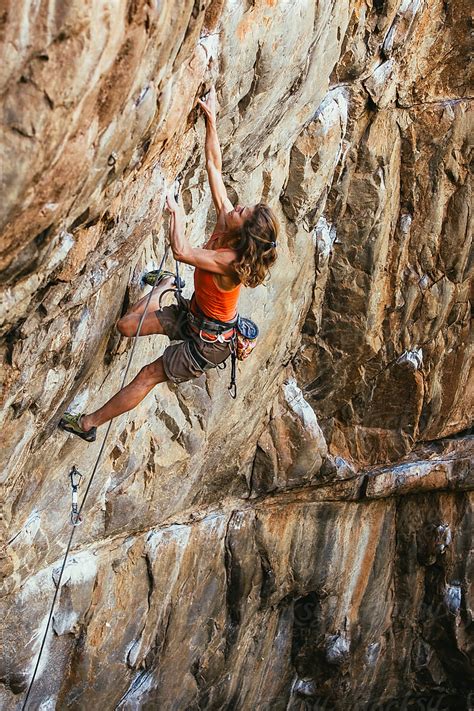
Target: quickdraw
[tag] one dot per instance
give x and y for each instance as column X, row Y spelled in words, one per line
column 75, row 476
column 233, row 371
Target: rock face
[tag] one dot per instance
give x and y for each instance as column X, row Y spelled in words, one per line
column 310, row 543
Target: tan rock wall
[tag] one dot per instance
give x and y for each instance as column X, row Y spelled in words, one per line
column 310, row 541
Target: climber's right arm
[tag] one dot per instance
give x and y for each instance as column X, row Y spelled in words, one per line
column 214, row 155
column 219, row 193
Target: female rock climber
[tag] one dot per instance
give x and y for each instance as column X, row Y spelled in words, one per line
column 240, row 251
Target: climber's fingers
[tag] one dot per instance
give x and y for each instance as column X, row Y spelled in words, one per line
column 204, row 107
column 171, row 204
column 208, row 105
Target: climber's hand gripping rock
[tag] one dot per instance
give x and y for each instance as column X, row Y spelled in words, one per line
column 171, row 205
column 209, row 105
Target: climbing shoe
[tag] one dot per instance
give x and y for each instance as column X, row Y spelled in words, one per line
column 153, row 278
column 70, row 423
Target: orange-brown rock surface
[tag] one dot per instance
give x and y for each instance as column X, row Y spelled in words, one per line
column 308, row 545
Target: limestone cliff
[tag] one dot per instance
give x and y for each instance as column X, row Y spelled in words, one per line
column 307, row 546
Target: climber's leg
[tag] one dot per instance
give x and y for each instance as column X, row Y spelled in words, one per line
column 129, row 323
column 129, row 397
column 154, row 305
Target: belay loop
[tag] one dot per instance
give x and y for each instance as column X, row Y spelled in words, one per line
column 75, row 476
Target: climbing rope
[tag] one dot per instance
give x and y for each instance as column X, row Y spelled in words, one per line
column 75, row 479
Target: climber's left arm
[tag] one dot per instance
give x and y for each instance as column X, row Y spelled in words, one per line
column 212, row 260
column 217, row 262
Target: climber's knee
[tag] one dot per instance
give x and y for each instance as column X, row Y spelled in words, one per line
column 153, row 373
column 127, row 325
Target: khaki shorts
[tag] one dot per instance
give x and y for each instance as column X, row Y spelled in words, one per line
column 192, row 357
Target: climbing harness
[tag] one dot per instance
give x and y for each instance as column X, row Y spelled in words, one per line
column 241, row 334
column 205, row 325
column 224, row 332
column 76, row 512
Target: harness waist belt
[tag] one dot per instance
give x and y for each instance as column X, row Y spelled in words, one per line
column 211, row 326
column 200, row 322
column 211, row 337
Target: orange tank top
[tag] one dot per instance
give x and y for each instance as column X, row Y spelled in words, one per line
column 212, row 300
